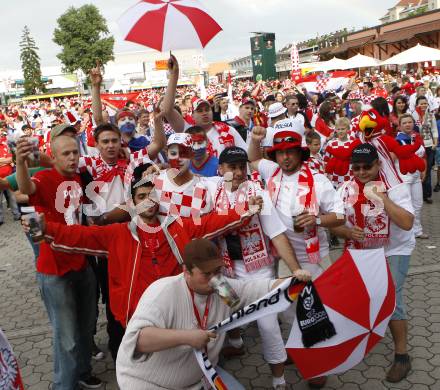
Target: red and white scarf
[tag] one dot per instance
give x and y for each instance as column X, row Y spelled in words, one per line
column 369, row 215
column 307, row 197
column 253, row 244
column 225, row 138
column 9, row 372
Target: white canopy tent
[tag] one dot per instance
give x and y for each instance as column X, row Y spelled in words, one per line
column 361, row 61
column 333, row 64
column 417, row 53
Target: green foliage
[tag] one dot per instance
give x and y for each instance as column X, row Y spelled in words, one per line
column 84, row 37
column 30, row 64
column 418, row 11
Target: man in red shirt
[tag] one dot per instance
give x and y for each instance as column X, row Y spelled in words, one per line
column 6, row 170
column 144, row 250
column 67, row 283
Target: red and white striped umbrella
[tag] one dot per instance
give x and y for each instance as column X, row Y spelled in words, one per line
column 169, row 24
column 359, row 296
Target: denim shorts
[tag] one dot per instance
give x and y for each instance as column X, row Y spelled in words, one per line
column 399, row 266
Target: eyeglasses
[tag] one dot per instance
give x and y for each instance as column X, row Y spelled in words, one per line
column 288, row 140
column 365, row 167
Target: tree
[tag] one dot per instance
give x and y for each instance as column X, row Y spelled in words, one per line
column 84, row 37
column 30, row 64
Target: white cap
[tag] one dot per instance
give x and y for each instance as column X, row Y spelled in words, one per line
column 276, row 109
column 180, row 139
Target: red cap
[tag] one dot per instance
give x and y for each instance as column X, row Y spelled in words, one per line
column 124, row 113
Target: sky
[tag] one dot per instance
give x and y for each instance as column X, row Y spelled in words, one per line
column 290, row 20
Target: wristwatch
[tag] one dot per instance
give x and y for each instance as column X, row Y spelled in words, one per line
column 318, row 221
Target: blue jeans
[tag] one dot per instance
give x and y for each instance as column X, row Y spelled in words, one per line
column 399, row 266
column 70, row 303
column 35, row 247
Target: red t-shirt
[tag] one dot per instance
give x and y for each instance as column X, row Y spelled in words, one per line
column 5, row 170
column 157, row 261
column 59, row 198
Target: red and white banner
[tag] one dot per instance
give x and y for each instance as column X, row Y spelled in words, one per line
column 118, row 100
column 332, row 81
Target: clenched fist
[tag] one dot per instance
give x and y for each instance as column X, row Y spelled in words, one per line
column 258, row 133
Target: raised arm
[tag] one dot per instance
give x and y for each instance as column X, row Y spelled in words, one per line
column 255, row 152
column 96, row 80
column 159, row 138
column 173, row 117
column 25, row 184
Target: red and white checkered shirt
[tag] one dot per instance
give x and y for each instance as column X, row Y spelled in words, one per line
column 191, row 199
column 316, row 164
column 337, row 180
column 367, row 99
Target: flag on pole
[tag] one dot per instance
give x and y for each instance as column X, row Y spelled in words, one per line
column 294, row 58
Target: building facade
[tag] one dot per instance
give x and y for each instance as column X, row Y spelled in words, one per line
column 387, row 40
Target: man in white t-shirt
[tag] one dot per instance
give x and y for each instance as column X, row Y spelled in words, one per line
column 220, row 135
column 301, row 197
column 172, row 318
column 381, row 216
column 246, row 251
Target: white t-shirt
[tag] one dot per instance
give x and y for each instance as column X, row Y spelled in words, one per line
column 288, row 206
column 271, row 225
column 401, row 242
column 167, row 304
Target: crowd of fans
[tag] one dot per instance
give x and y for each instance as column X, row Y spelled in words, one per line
column 121, row 193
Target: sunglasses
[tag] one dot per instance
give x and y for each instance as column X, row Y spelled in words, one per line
column 288, row 140
column 365, row 167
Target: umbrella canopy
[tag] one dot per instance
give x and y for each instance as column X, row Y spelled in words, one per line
column 168, row 24
column 359, row 296
column 361, row 61
column 417, row 53
column 333, row 64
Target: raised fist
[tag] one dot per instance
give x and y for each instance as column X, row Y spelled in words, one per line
column 258, row 133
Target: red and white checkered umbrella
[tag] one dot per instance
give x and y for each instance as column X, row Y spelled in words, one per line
column 169, row 24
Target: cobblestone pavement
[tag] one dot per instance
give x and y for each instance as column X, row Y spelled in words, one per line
column 24, row 320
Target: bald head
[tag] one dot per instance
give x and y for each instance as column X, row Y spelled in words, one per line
column 61, row 142
column 65, row 155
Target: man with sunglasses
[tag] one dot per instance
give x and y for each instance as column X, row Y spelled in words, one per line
column 306, row 201
column 381, row 216
column 294, row 112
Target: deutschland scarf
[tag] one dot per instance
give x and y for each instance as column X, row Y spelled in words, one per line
column 306, row 196
column 312, row 318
